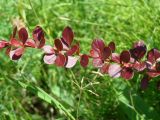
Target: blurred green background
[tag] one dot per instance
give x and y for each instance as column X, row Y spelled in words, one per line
column 31, row 90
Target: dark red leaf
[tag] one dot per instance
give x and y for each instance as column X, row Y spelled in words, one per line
column 98, row 45
column 127, row 73
column 60, row 60
column 3, row 44
column 153, row 55
column 14, row 42
column 84, row 60
column 16, row 54
column 116, row 57
column 41, row 43
column 94, row 53
column 139, row 66
column 114, row 70
column 58, row 44
column 106, row 53
column 68, row 35
column 71, row 61
column 8, row 50
column 50, row 59
column 125, row 56
column 153, row 73
column 104, row 68
column 38, row 33
column 23, row 35
column 73, row 50
column 38, row 36
column 144, row 82
column 65, row 45
column 112, row 46
column 97, row 62
column 14, row 32
column 30, row 43
column 139, row 50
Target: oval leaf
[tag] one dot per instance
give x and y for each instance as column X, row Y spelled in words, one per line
column 3, row 44
column 104, row 68
column 98, row 45
column 84, row 60
column 50, row 59
column 114, row 70
column 14, row 42
column 60, row 60
column 144, row 82
column 127, row 73
column 68, row 35
column 23, row 35
column 153, row 55
column 73, row 50
column 16, row 54
column 112, row 46
column 125, row 56
column 71, row 61
column 48, row 49
column 106, row 53
column 30, row 43
column 97, row 62
column 58, row 44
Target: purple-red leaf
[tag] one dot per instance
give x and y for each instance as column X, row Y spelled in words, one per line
column 48, row 49
column 38, row 33
column 42, row 43
column 73, row 50
column 125, row 56
column 94, row 53
column 30, row 43
column 97, row 62
column 60, row 60
column 50, row 59
column 153, row 55
column 38, row 36
column 104, row 68
column 106, row 53
column 15, row 42
column 71, row 61
column 14, row 32
column 127, row 73
column 114, row 70
column 98, row 45
column 23, row 35
column 116, row 57
column 112, row 46
column 3, row 44
column 84, row 60
column 139, row 50
column 144, row 82
column 16, row 54
column 153, row 73
column 139, row 66
column 58, row 44
column 68, row 35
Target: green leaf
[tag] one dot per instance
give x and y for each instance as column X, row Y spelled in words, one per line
column 46, row 97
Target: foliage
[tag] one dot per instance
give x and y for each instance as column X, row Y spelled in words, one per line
column 31, row 89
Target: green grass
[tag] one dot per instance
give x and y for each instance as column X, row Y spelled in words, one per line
column 31, row 90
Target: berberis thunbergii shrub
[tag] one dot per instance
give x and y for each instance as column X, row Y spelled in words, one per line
column 65, row 53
